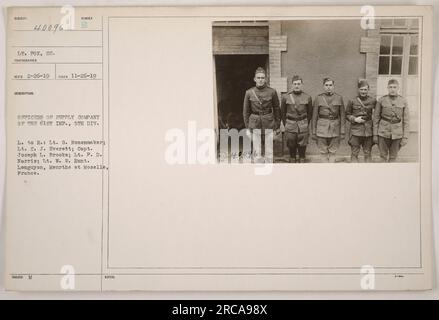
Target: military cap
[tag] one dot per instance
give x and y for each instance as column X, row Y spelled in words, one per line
column 362, row 83
column 296, row 77
column 392, row 81
column 260, row 70
column 328, row 79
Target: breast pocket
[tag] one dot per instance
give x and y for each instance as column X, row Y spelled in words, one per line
column 369, row 107
column 386, row 112
column 335, row 110
column 386, row 108
column 266, row 100
column 324, row 110
column 357, row 108
column 254, row 101
column 290, row 106
column 302, row 109
column 398, row 111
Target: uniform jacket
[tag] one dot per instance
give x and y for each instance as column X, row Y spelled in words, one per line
column 391, row 118
column 296, row 112
column 261, row 108
column 364, row 109
column 328, row 116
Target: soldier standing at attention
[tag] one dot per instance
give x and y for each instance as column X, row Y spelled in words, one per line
column 296, row 112
column 391, row 123
column 261, row 106
column 328, row 121
column 359, row 113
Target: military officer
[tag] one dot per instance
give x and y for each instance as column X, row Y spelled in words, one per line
column 261, row 106
column 359, row 113
column 391, row 123
column 328, row 121
column 296, row 111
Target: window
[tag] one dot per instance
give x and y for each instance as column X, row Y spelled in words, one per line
column 391, row 55
column 399, row 47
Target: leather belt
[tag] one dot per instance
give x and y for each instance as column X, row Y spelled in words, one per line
column 327, row 117
column 391, row 120
column 263, row 112
column 302, row 117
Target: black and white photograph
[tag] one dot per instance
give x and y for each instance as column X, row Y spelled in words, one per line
column 338, row 90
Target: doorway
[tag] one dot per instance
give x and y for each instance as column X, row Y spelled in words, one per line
column 234, row 75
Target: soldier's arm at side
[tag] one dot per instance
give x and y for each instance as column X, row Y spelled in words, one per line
column 374, row 108
column 283, row 109
column 376, row 117
column 406, row 121
column 309, row 108
column 349, row 111
column 342, row 118
column 315, row 113
column 246, row 109
column 276, row 109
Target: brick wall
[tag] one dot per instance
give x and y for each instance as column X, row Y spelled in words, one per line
column 240, row 40
column 276, row 44
column 370, row 45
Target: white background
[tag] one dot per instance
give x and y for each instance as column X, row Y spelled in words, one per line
column 434, row 294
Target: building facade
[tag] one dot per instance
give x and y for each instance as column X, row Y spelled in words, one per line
column 315, row 49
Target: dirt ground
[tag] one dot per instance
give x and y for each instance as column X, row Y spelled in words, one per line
column 408, row 153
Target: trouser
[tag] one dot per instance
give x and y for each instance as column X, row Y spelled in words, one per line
column 328, row 147
column 262, row 144
column 258, row 124
column 296, row 143
column 389, row 148
column 358, row 142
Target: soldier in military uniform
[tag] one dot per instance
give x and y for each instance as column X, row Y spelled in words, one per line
column 391, row 123
column 261, row 106
column 359, row 113
column 296, row 111
column 328, row 121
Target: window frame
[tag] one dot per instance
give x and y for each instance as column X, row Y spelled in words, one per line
column 407, row 31
column 410, row 29
column 390, row 55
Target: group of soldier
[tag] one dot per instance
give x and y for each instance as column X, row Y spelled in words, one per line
column 384, row 122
